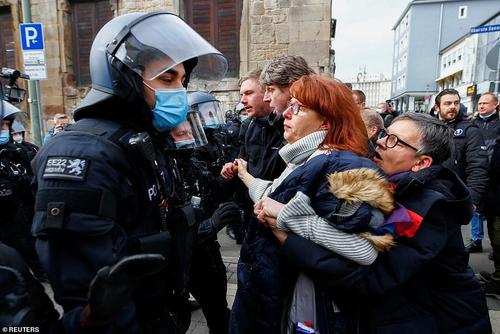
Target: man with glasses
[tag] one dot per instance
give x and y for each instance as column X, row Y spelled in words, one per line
column 468, row 159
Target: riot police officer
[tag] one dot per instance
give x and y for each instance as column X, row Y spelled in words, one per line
column 18, row 138
column 103, row 184
column 212, row 120
column 16, row 194
column 232, row 137
column 208, row 282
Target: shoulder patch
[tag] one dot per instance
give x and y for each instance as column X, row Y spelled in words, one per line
column 458, row 132
column 66, row 168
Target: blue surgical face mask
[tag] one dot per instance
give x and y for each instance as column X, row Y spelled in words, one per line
column 243, row 118
column 4, row 137
column 171, row 107
column 188, row 143
column 211, row 123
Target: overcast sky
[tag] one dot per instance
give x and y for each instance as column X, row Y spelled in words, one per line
column 364, row 35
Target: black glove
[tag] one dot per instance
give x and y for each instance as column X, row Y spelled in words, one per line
column 112, row 287
column 226, row 212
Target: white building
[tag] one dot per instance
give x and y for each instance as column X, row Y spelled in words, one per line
column 457, row 67
column 471, row 65
column 375, row 86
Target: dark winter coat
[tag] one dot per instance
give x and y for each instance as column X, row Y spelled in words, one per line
column 493, row 194
column 469, row 158
column 490, row 129
column 424, row 284
column 261, row 146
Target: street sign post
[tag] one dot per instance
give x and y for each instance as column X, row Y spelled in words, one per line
column 33, row 47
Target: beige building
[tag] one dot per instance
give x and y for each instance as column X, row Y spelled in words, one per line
column 248, row 32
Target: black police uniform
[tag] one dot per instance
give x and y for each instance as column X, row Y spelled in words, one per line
column 30, row 149
column 232, row 140
column 16, row 203
column 213, row 153
column 207, row 281
column 23, row 300
column 99, row 198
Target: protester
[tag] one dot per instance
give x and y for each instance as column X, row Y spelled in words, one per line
column 373, row 124
column 61, row 121
column 468, row 158
column 261, row 141
column 359, row 98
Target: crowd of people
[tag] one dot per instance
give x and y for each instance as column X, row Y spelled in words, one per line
column 349, row 218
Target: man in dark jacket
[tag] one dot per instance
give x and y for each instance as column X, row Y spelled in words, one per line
column 489, row 122
column 468, row 158
column 423, row 284
column 261, row 143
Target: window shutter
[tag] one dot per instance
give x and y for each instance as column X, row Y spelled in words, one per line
column 87, row 19
column 7, row 46
column 218, row 21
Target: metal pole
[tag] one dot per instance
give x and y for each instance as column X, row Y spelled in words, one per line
column 33, row 89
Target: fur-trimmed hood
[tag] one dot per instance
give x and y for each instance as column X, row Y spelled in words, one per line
column 363, row 185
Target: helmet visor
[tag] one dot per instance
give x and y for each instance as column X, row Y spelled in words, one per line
column 189, row 134
column 8, row 110
column 163, row 41
column 211, row 114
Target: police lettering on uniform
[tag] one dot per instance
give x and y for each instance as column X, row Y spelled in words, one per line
column 107, row 234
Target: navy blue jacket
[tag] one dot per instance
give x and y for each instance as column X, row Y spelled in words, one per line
column 424, row 284
column 263, row 278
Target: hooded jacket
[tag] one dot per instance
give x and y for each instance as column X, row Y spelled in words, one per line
column 424, row 284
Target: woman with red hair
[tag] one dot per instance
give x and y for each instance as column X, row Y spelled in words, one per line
column 336, row 195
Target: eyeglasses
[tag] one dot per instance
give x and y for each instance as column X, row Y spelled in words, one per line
column 295, row 108
column 392, row 140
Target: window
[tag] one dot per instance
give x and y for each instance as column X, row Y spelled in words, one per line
column 462, row 12
column 7, row 49
column 218, row 21
column 87, row 18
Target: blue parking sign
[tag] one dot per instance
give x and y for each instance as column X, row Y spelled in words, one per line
column 31, row 36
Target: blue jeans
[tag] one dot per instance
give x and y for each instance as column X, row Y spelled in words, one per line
column 476, row 226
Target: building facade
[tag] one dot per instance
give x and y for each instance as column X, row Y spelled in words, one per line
column 471, row 65
column 424, row 29
column 376, row 88
column 248, row 32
